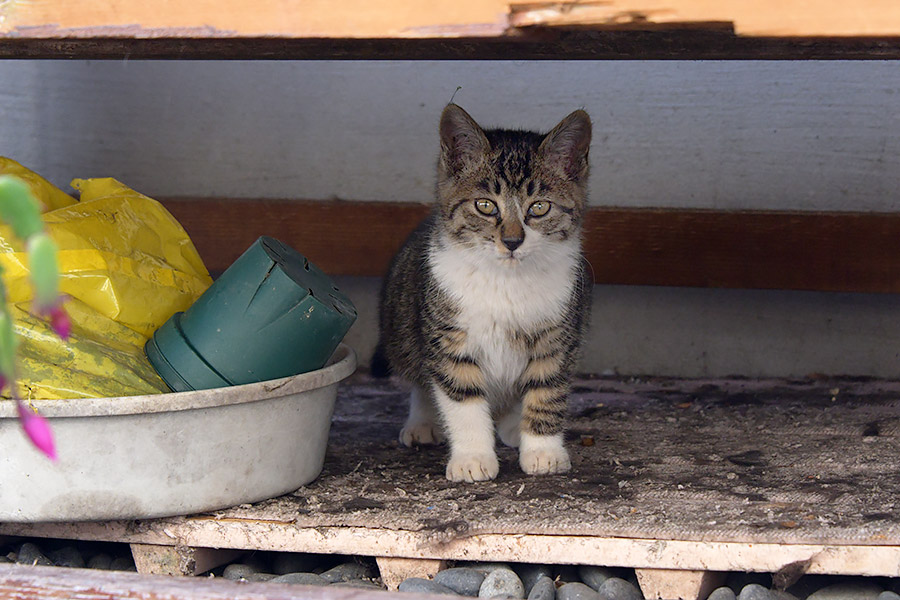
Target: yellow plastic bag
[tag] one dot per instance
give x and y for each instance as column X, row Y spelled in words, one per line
column 126, row 266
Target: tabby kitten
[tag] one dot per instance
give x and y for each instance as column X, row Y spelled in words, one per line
column 485, row 305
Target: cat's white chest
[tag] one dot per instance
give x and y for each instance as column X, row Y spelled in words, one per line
column 495, row 301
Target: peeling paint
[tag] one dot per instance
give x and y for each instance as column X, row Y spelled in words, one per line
column 130, row 31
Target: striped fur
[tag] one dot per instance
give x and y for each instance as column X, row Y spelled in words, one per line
column 484, row 307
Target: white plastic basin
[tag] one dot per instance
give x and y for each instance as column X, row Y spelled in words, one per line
column 162, row 455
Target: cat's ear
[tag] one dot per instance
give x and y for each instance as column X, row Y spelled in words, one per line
column 566, row 147
column 462, row 140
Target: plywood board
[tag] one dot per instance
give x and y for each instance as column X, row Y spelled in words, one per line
column 239, row 18
column 406, row 18
column 701, row 475
column 757, row 18
column 848, row 252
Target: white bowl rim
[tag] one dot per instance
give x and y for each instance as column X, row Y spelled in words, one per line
column 341, row 365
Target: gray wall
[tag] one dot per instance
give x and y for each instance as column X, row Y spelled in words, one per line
column 749, row 135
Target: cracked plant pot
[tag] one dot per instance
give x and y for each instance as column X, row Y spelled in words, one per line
column 271, row 314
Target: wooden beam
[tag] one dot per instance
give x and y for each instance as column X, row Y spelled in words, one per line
column 153, row 559
column 57, row 583
column 836, row 556
column 532, row 43
column 837, row 252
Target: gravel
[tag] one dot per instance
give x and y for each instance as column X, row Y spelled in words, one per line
column 301, row 578
column 543, row 589
column 502, row 583
column 238, row 571
column 424, row 586
column 723, row 593
column 616, row 588
column 848, row 591
column 576, row 591
column 531, row 574
column 595, row 576
column 462, row 580
column 30, row 554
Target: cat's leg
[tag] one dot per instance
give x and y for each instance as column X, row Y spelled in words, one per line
column 470, row 430
column 421, row 425
column 545, row 390
column 509, row 425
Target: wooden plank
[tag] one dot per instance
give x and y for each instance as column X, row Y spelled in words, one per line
column 668, row 584
column 57, row 583
column 760, row 18
column 843, row 252
column 439, row 18
column 237, row 18
column 534, row 43
column 153, row 559
column 394, row 570
column 683, row 555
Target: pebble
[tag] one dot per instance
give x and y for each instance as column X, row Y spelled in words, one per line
column 595, row 576
column 754, row 591
column 348, row 571
column 300, row 579
column 358, row 584
column 543, row 589
column 722, row 593
column 122, row 563
column 237, row 571
column 888, row 596
column 616, row 588
column 30, row 554
column 462, row 580
column 502, row 582
column 68, row 556
column 487, row 567
column 293, row 562
column 100, row 561
column 531, row 573
column 577, row 591
column 862, row 590
column 424, row 586
column 262, row 577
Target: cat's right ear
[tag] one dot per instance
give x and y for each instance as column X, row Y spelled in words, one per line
column 462, row 141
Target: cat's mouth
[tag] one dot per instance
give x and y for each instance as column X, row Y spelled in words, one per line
column 511, row 258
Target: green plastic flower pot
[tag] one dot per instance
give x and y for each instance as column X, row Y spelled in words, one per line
column 271, row 314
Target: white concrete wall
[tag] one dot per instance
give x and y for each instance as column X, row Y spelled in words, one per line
column 758, row 135
column 800, row 135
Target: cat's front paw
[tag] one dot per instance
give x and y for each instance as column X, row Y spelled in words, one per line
column 421, row 434
column 473, row 467
column 543, row 455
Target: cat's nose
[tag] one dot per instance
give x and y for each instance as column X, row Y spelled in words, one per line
column 512, row 242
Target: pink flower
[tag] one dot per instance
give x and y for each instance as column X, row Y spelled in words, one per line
column 37, row 429
column 59, row 321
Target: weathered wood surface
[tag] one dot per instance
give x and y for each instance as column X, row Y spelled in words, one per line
column 178, row 560
column 845, row 252
column 445, row 29
column 537, row 44
column 759, row 18
column 57, row 583
column 714, row 475
column 407, row 18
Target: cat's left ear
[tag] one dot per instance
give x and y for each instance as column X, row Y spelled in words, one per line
column 566, row 146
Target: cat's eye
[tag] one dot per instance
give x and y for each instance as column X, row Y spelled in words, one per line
column 486, row 207
column 539, row 208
